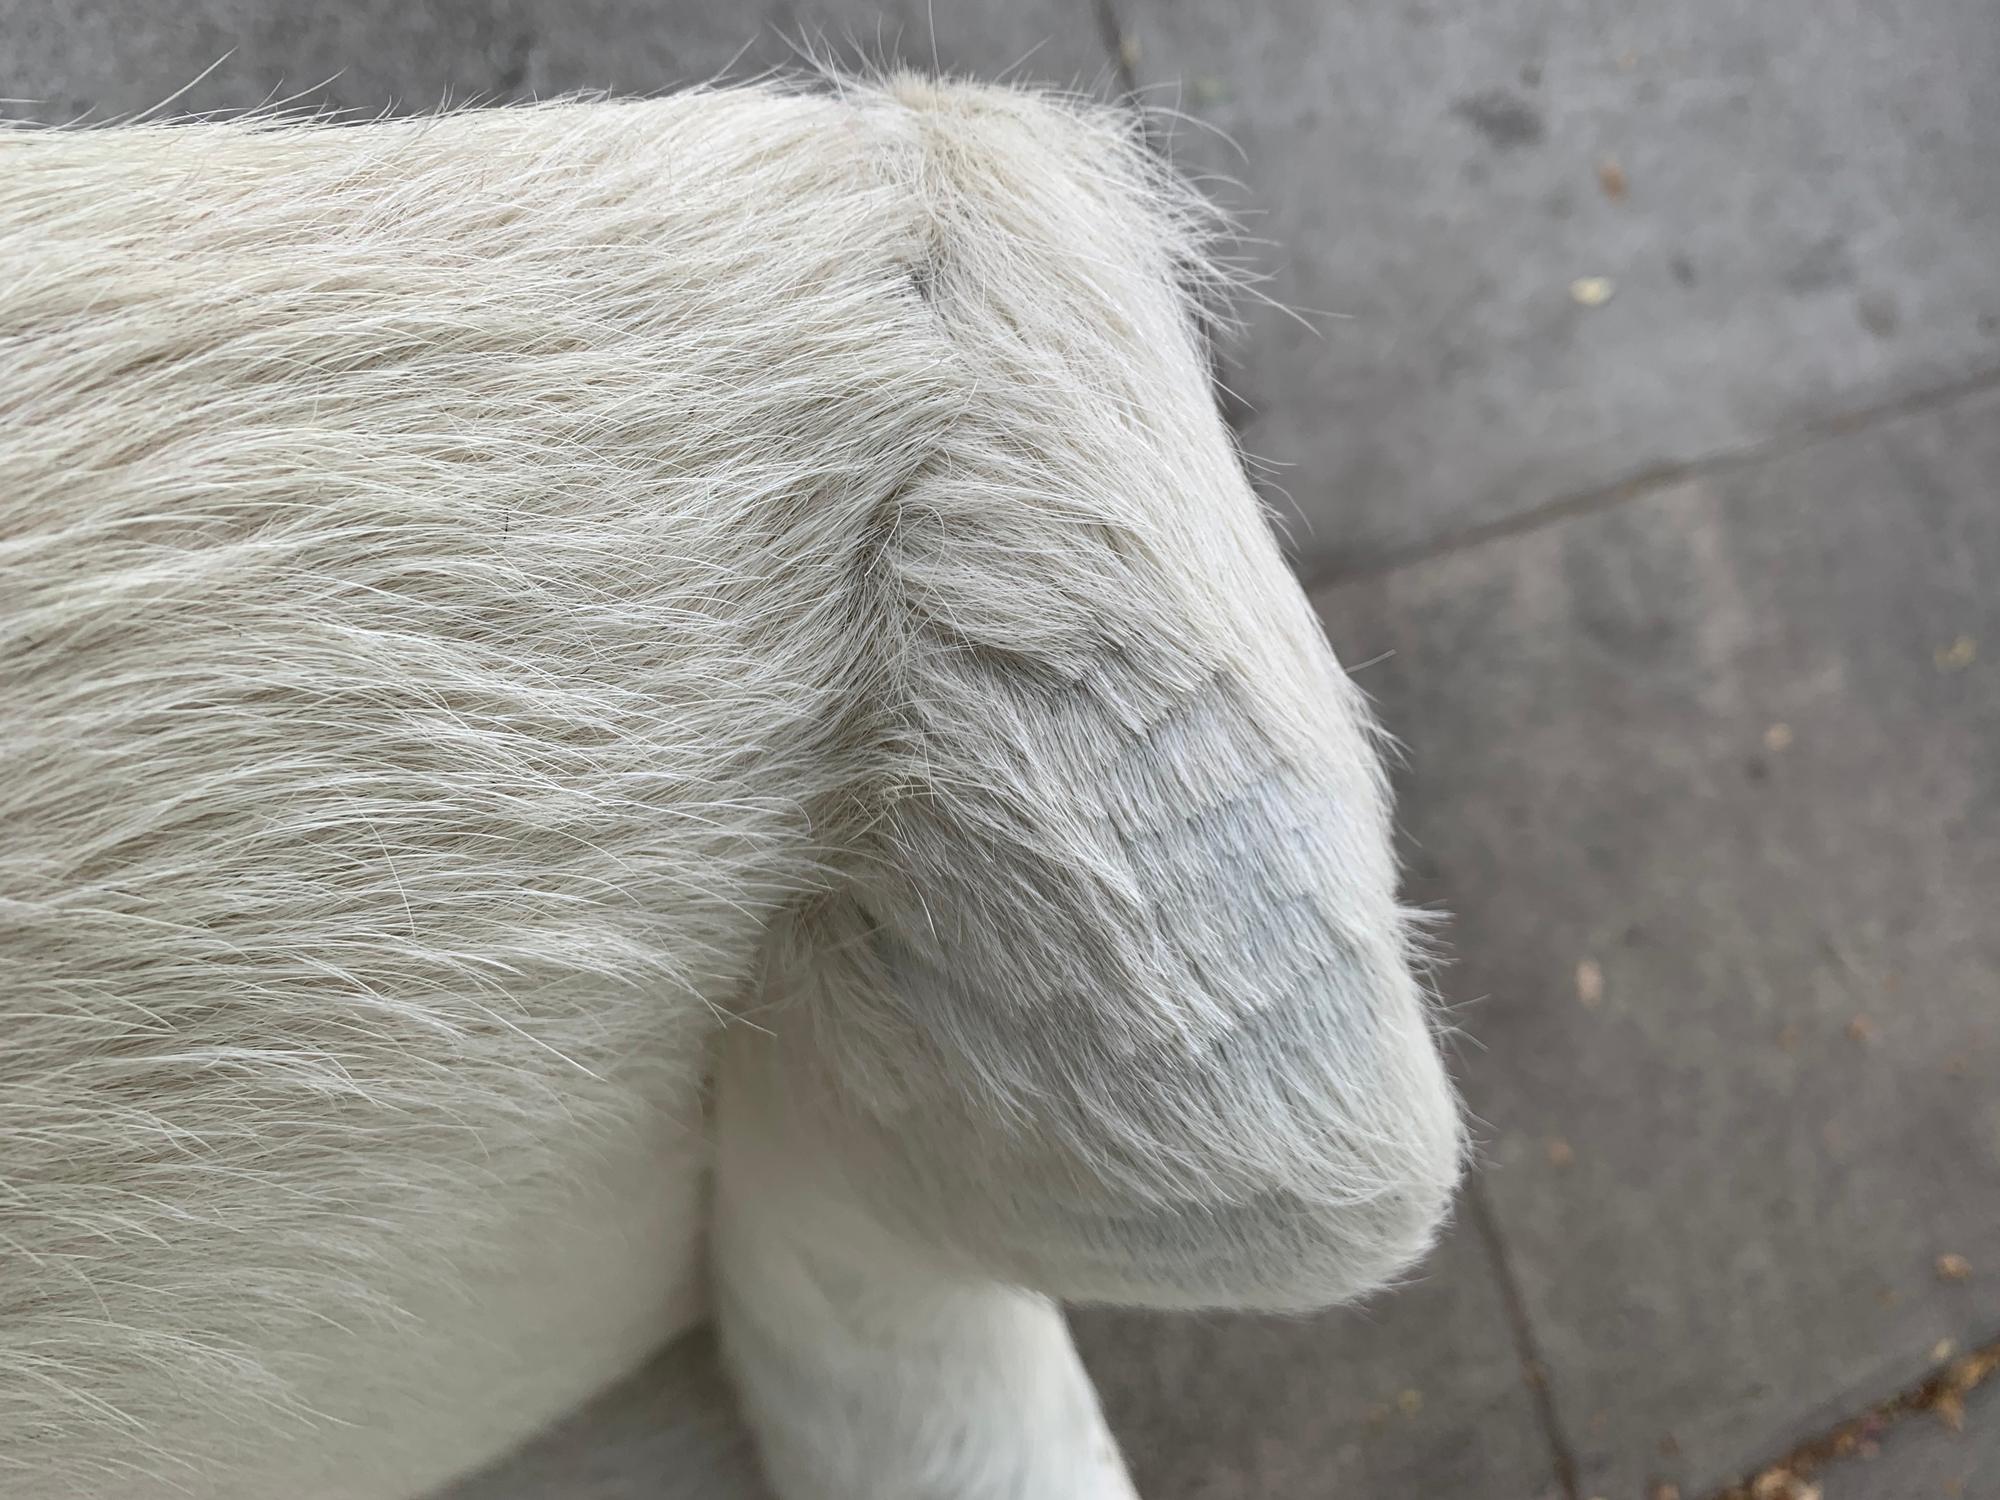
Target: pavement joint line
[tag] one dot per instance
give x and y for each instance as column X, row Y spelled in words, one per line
column 1534, row 1369
column 1940, row 1393
column 1649, row 481
column 1112, row 34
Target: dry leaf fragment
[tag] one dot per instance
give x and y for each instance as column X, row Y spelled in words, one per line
column 1953, row 1268
column 1782, row 1484
column 1611, row 177
column 1666, row 1492
column 1950, row 1409
column 1589, row 983
column 1956, row 657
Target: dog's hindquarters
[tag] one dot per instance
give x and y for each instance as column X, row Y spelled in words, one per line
column 1115, row 1002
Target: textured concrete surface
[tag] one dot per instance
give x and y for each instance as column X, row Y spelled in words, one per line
column 1805, row 214
column 65, row 59
column 1418, row 1395
column 1727, row 752
column 1693, row 641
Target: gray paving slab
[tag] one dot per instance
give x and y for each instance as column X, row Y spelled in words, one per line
column 111, row 57
column 626, row 44
column 1806, row 226
column 1709, row 778
column 1415, row 1396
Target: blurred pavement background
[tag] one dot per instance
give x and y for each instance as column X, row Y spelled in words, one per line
column 1641, row 449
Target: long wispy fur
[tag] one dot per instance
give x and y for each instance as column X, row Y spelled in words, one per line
column 487, row 600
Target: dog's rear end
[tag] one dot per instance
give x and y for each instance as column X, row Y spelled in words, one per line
column 484, row 599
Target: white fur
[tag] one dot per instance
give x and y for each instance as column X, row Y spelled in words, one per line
column 483, row 601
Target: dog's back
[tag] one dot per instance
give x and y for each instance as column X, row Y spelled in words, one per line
column 423, row 549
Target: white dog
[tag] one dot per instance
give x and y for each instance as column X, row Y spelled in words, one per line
column 557, row 656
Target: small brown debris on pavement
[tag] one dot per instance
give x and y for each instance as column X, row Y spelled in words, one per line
column 1945, row 1394
column 1778, row 738
column 1956, row 657
column 1410, row 1402
column 1780, row 1483
column 1860, row 1029
column 1950, row 1409
column 1788, row 1036
column 1589, row 983
column 1953, row 1268
column 1665, row 1492
column 1611, row 177
column 1561, row 1153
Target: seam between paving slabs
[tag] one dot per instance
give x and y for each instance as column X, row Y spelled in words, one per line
column 1650, row 481
column 1527, row 1349
column 1941, row 1394
column 1105, row 14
